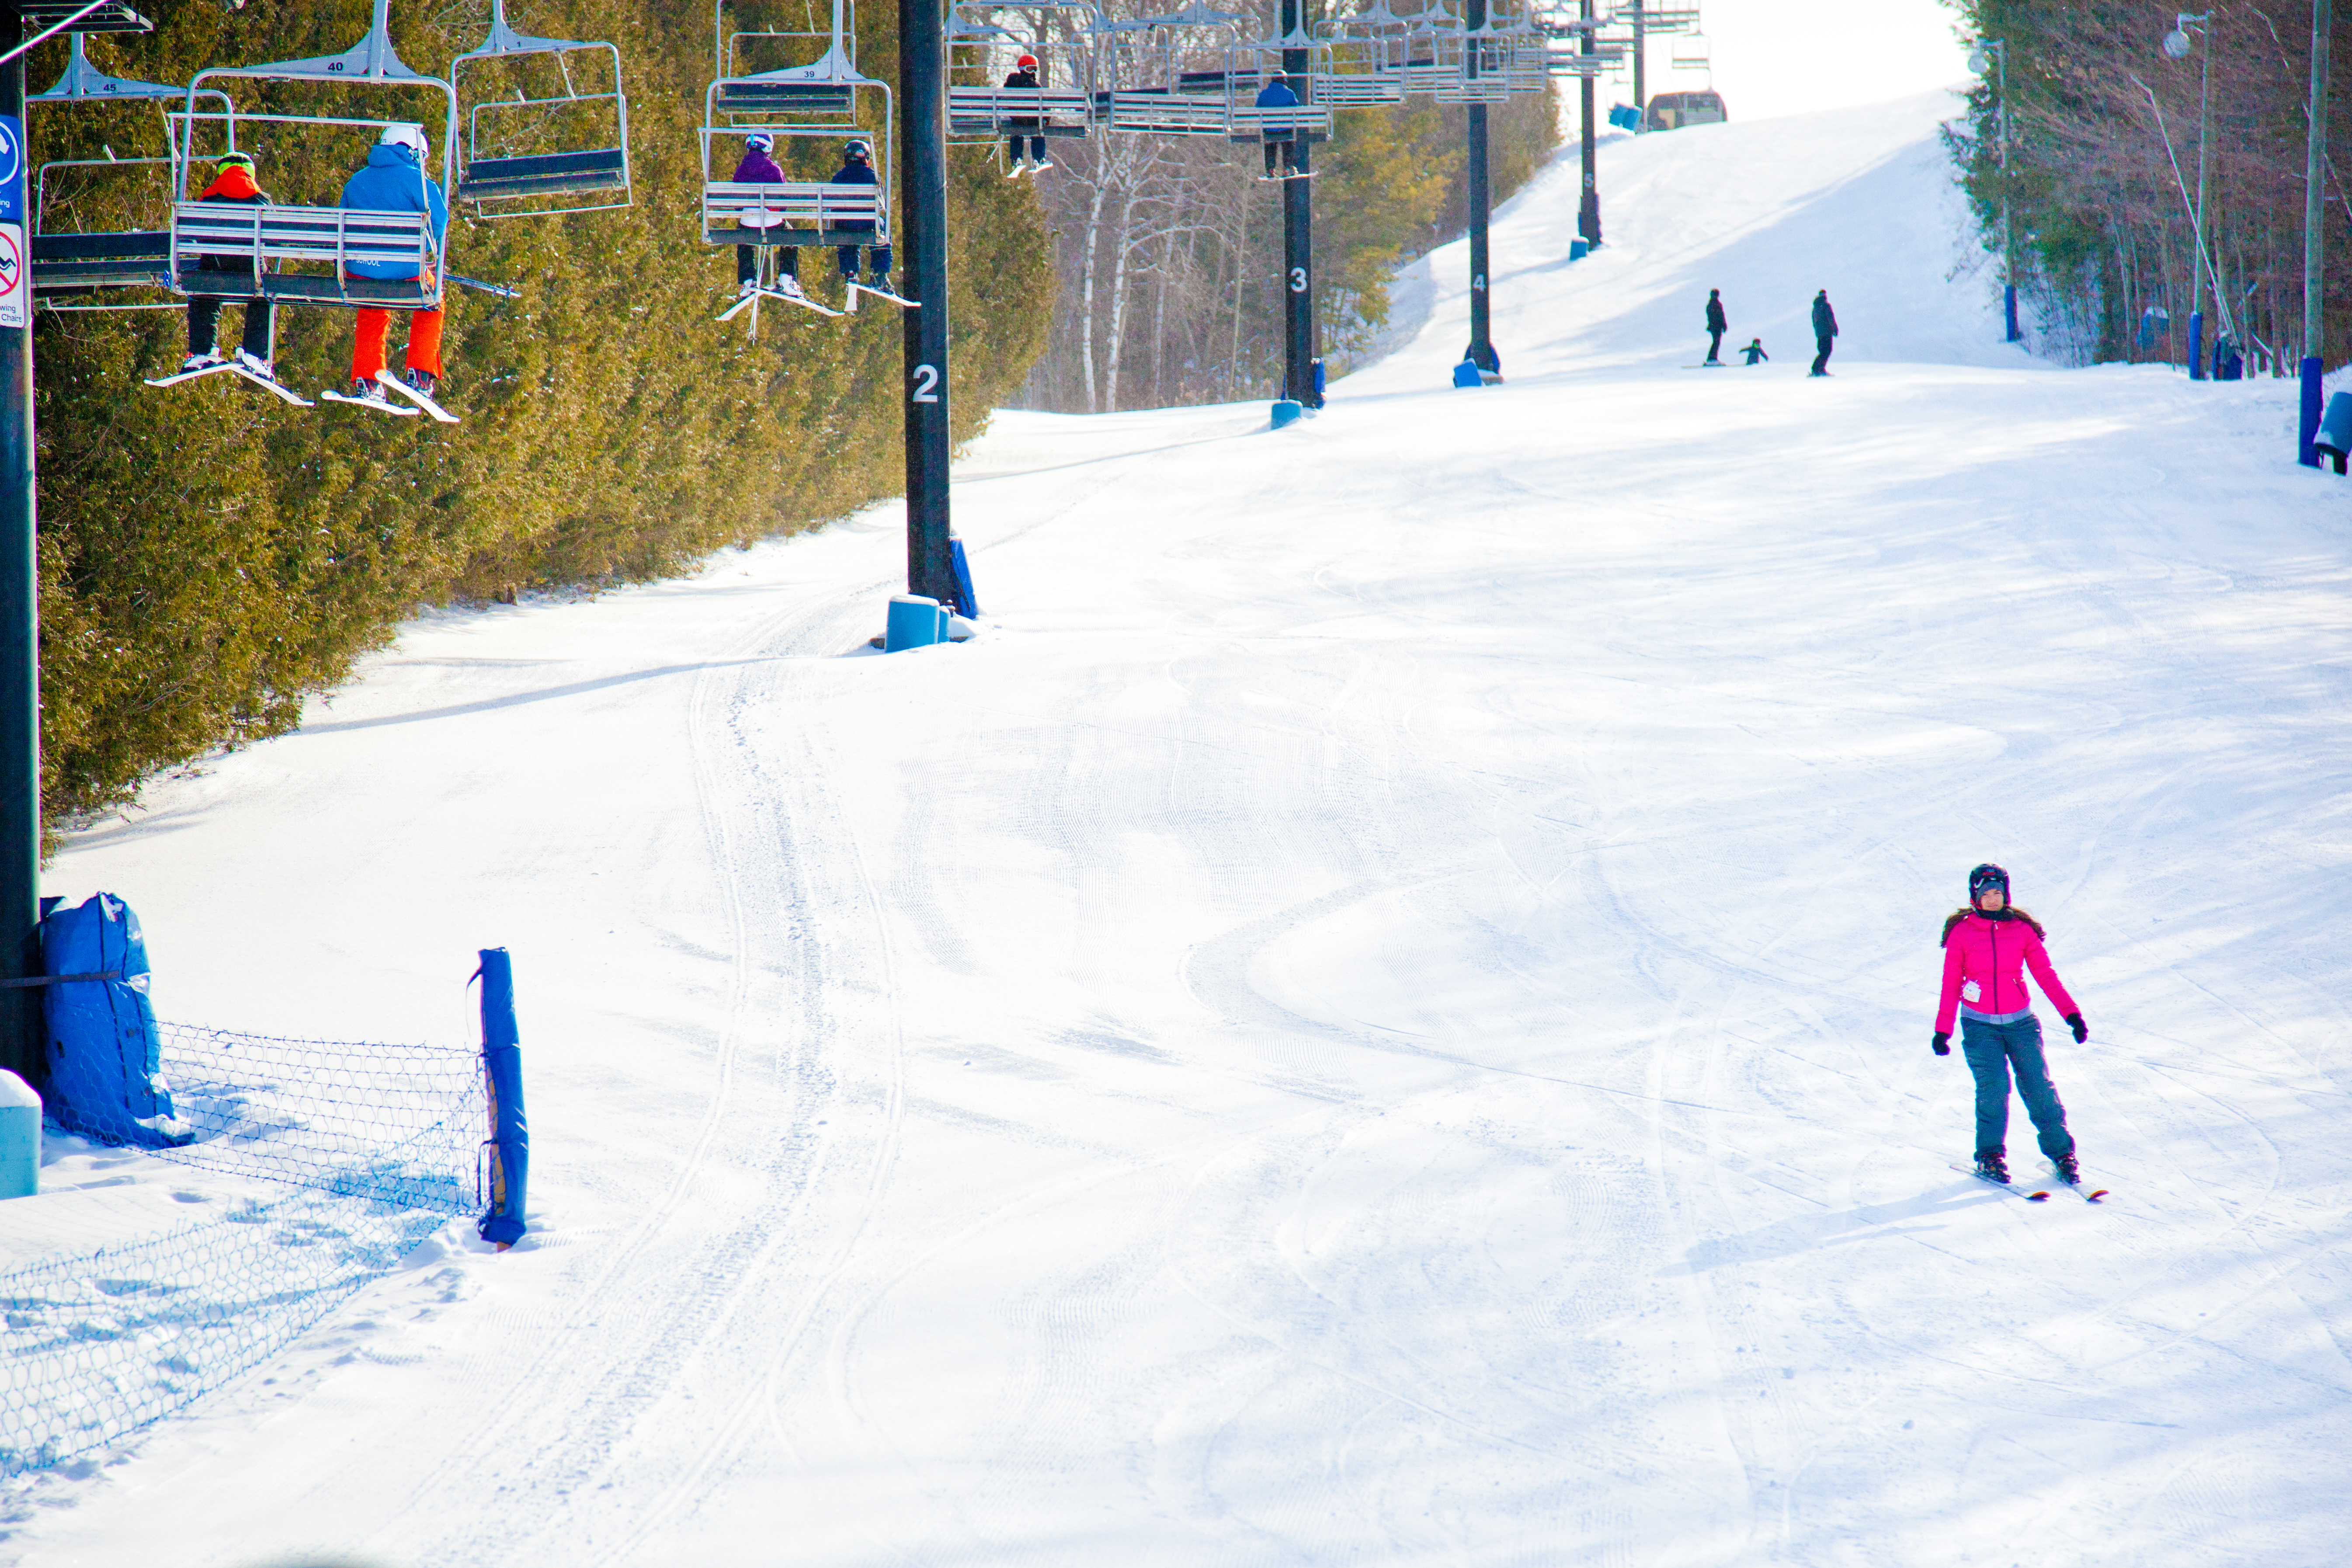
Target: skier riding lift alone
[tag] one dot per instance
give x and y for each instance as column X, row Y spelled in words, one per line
column 1276, row 94
column 395, row 181
column 1988, row 948
column 1025, row 75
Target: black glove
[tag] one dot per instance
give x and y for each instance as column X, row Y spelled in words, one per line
column 2082, row 1030
column 1943, row 1042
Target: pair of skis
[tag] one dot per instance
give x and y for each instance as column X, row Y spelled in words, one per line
column 1018, row 170
column 2037, row 1194
column 252, row 371
column 1294, row 175
column 386, row 381
column 849, row 305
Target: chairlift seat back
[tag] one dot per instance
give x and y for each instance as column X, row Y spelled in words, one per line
column 993, row 111
column 545, row 174
column 748, row 96
column 80, row 261
column 799, row 211
column 267, row 237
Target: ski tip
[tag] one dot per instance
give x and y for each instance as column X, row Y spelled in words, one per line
column 2037, row 1198
column 2094, row 1197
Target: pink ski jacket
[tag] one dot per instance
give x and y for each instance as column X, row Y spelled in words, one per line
column 1985, row 962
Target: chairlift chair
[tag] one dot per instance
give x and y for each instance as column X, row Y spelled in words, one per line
column 75, row 263
column 824, row 100
column 563, row 174
column 257, row 239
column 983, row 112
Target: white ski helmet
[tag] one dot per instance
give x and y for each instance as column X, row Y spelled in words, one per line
column 761, row 140
column 409, row 136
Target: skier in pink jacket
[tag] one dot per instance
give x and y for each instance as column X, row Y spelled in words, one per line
column 1988, row 948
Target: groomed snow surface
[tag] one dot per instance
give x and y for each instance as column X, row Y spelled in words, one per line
column 1379, row 1013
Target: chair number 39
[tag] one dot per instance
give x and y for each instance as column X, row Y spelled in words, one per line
column 1299, row 280
column 927, row 383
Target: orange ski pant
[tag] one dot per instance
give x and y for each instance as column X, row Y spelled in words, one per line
column 368, row 342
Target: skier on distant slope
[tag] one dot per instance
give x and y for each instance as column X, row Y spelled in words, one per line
column 1825, row 332
column 1755, row 350
column 1988, row 948
column 1716, row 325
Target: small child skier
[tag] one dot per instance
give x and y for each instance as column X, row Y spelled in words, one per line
column 1988, row 948
column 1754, row 351
column 1024, row 148
column 858, row 169
column 232, row 183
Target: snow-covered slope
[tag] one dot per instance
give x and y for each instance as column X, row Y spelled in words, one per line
column 1379, row 1015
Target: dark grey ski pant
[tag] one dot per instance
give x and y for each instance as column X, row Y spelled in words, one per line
column 1993, row 1051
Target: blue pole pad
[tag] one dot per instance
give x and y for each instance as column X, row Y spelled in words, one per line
column 915, row 622
column 510, row 1151
column 2307, row 426
column 1285, row 412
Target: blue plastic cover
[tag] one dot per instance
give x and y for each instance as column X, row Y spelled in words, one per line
column 105, row 1074
column 510, row 1140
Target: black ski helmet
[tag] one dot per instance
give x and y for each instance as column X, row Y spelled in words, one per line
column 1986, row 876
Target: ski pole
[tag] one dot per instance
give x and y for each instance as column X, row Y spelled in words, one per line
column 500, row 289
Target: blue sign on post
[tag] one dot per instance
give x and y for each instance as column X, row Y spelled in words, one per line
column 15, row 280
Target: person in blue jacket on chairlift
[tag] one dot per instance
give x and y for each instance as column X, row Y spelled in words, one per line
column 858, row 169
column 1276, row 94
column 393, row 180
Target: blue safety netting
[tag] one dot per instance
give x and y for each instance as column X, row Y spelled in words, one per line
column 376, row 1148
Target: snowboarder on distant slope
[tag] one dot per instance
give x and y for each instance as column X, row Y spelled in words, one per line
column 1754, row 351
column 1276, row 94
column 395, row 181
column 1716, row 325
column 1825, row 333
column 1988, row 948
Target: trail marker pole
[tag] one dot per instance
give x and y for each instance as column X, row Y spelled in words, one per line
column 1299, row 240
column 20, row 670
column 1481, row 351
column 923, row 197
column 2315, row 165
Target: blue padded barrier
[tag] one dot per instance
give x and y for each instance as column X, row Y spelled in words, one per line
column 106, row 1075
column 509, row 1149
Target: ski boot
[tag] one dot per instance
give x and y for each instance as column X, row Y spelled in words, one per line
column 195, row 363
column 2067, row 1172
column 1993, row 1165
column 423, row 381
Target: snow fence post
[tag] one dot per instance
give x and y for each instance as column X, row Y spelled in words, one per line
column 510, row 1140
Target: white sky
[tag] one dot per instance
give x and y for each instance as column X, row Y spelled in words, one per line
column 1786, row 56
